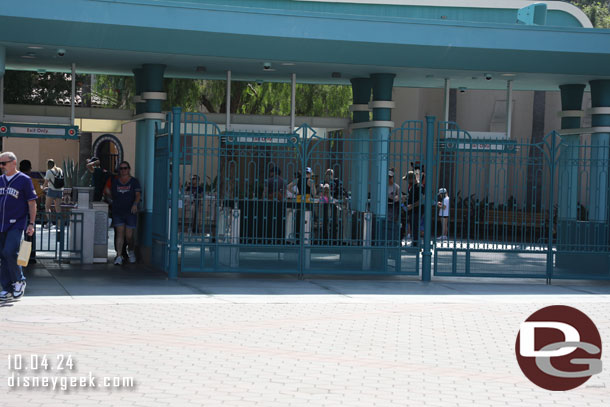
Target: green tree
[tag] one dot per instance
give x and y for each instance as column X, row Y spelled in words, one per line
column 597, row 11
column 49, row 88
column 246, row 97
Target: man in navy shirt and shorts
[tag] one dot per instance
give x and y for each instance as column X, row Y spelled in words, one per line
column 17, row 213
column 124, row 194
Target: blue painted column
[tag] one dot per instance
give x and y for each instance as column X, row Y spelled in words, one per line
column 381, row 127
column 567, row 168
column 567, row 189
column 600, row 155
column 359, row 175
column 2, row 60
column 150, row 95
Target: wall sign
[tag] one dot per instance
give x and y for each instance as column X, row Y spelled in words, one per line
column 38, row 131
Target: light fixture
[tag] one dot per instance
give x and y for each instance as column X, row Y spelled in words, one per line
column 35, row 47
column 288, row 64
column 509, row 74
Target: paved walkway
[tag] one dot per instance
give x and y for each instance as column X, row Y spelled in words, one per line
column 277, row 341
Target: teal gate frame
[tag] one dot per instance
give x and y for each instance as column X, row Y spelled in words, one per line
column 516, row 209
column 230, row 217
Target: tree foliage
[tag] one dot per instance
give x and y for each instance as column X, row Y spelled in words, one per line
column 49, row 88
column 597, row 11
column 246, row 97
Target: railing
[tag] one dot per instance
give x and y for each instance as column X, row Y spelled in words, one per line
column 59, row 236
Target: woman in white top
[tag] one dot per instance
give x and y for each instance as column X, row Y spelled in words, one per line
column 443, row 212
column 53, row 187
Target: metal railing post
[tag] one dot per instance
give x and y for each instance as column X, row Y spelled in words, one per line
column 549, row 254
column 175, row 155
column 427, row 254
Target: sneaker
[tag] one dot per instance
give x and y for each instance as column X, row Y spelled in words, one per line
column 5, row 295
column 118, row 260
column 132, row 256
column 19, row 288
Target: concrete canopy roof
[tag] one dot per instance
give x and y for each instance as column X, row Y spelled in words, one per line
column 203, row 39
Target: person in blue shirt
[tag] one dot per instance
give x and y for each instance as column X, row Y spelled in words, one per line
column 124, row 193
column 17, row 201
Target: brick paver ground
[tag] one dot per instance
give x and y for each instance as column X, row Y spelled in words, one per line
column 284, row 342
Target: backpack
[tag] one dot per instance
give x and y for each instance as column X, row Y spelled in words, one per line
column 58, row 181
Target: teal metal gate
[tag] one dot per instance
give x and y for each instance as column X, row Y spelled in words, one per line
column 520, row 209
column 275, row 202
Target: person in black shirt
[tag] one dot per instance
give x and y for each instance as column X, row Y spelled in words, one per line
column 414, row 199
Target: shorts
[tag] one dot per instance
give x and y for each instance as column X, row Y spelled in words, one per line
column 130, row 220
column 55, row 193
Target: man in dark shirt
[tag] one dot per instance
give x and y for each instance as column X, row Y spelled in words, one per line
column 17, row 213
column 275, row 184
column 99, row 176
column 414, row 198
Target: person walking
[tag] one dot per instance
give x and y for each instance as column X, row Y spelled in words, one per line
column 124, row 195
column 17, row 202
column 54, row 189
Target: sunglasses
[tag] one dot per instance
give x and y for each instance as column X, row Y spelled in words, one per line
column 123, row 168
column 5, row 162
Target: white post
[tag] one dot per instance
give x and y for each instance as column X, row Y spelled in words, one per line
column 228, row 100
column 447, row 91
column 293, row 101
column 509, row 107
column 73, row 95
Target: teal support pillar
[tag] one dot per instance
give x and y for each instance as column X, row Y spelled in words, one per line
column 568, row 185
column 175, row 180
column 429, row 201
column 380, row 140
column 2, row 60
column 359, row 175
column 381, row 126
column 150, row 96
column 600, row 153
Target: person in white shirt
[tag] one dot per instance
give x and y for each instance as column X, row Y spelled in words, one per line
column 54, row 188
column 443, row 212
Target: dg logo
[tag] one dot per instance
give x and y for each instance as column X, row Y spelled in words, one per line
column 559, row 348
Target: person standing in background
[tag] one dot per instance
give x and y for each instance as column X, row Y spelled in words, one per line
column 54, row 188
column 99, row 176
column 25, row 166
column 443, row 212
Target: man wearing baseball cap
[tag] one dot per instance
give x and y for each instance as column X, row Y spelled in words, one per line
column 99, row 177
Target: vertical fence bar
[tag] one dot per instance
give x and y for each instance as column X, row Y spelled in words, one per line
column 427, row 255
column 173, row 237
column 549, row 254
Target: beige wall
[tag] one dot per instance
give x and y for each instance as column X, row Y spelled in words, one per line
column 39, row 150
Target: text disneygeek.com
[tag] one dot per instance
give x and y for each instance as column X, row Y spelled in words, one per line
column 37, row 371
